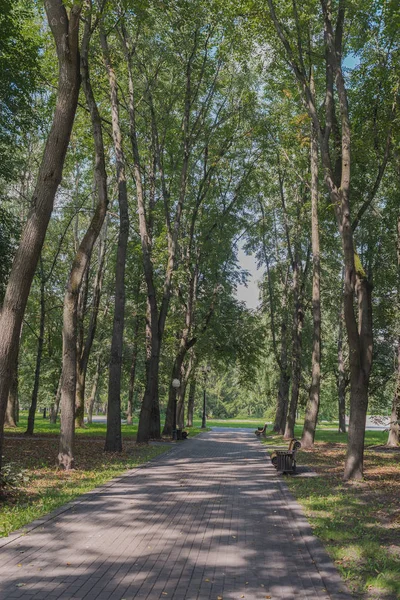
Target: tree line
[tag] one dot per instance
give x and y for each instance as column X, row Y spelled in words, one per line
column 141, row 145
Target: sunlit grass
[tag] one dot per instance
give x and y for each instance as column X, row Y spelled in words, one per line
column 48, row 488
column 359, row 523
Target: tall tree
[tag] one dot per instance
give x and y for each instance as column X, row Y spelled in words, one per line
column 65, row 30
column 79, row 267
column 337, row 181
column 114, row 437
column 311, row 416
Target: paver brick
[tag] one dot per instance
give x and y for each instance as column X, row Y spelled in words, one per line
column 211, row 518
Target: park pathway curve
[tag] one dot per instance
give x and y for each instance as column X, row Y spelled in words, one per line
column 211, row 519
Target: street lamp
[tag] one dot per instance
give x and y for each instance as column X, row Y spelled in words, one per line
column 175, row 384
column 205, row 370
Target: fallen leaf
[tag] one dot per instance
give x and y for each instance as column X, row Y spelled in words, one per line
column 19, row 565
column 20, row 584
column 206, row 580
column 219, row 597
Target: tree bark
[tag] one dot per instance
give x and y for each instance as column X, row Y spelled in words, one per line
column 114, row 436
column 394, row 431
column 80, row 383
column 284, row 384
column 86, row 346
column 132, row 374
column 298, row 317
column 56, row 404
column 312, row 409
column 65, row 30
column 78, row 270
column 11, row 417
column 39, row 354
column 94, row 392
column 341, row 378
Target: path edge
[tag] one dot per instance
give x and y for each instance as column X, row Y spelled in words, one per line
column 333, row 582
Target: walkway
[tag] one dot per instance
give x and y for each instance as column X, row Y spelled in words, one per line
column 208, row 520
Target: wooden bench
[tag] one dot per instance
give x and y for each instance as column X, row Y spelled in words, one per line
column 285, row 460
column 261, row 430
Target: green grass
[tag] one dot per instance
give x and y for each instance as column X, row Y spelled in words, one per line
column 43, row 427
column 359, row 523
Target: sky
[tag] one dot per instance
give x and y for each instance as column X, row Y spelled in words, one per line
column 249, row 294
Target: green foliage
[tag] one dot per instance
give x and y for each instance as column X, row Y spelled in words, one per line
column 19, row 80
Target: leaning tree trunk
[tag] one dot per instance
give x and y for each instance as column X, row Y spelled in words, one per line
column 86, row 345
column 65, row 30
column 114, row 436
column 11, row 418
column 79, row 266
column 312, row 409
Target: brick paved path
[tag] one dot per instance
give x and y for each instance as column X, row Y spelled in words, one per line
column 210, row 519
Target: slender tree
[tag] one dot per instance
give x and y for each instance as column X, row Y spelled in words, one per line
column 79, row 267
column 114, row 437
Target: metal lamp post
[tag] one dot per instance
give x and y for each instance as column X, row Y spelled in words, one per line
column 175, row 384
column 205, row 370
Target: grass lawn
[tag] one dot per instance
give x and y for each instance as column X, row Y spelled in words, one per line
column 41, row 487
column 359, row 523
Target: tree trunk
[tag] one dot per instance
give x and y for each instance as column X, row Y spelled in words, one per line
column 80, row 379
column 65, row 31
column 33, row 406
column 284, row 384
column 394, row 431
column 341, row 378
column 311, row 416
column 86, row 345
column 11, row 418
column 296, row 352
column 360, row 347
column 78, row 270
column 56, row 404
column 338, row 183
column 114, row 436
column 173, row 393
column 192, row 395
column 132, row 375
column 94, row 392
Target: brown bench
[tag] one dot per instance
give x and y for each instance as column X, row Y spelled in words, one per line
column 261, row 430
column 285, row 460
